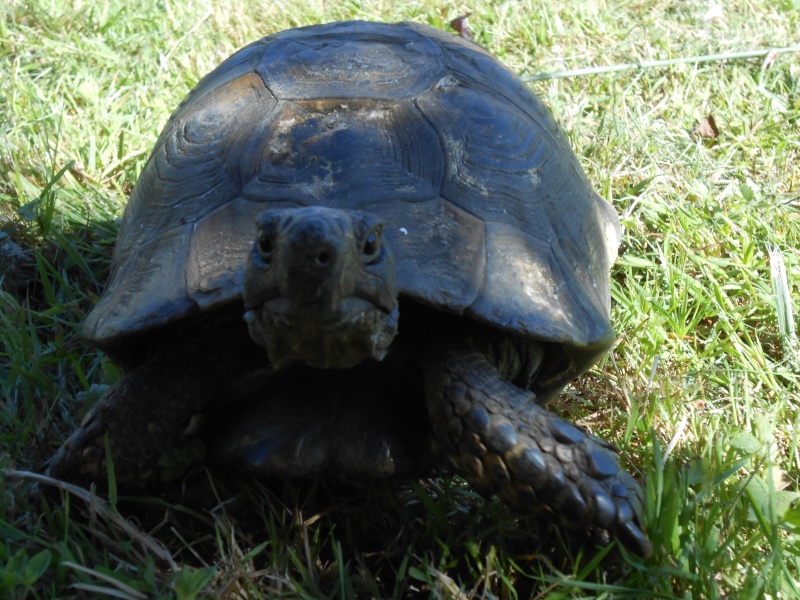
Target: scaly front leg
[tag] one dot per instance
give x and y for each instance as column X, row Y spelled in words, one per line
column 144, row 415
column 504, row 443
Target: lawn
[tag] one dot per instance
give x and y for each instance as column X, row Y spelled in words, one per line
column 700, row 391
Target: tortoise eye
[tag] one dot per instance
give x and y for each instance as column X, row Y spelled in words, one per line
column 372, row 247
column 265, row 246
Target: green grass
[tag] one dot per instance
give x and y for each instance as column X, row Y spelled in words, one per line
column 699, row 393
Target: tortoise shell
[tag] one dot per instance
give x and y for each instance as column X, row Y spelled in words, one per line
column 486, row 207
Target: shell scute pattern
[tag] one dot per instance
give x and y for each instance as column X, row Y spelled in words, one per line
column 476, row 184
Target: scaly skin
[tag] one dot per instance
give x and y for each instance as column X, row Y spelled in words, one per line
column 504, row 443
column 146, row 412
column 142, row 415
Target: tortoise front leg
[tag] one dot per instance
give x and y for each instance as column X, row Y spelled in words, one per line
column 504, row 443
column 142, row 416
column 145, row 414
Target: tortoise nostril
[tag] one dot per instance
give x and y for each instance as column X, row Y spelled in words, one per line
column 320, row 259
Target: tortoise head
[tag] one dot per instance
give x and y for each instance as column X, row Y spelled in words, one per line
column 320, row 287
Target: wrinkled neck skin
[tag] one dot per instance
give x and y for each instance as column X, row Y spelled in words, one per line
column 428, row 334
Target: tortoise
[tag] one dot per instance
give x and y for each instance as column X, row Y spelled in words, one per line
column 366, row 250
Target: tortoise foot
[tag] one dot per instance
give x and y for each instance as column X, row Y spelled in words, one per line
column 82, row 458
column 575, row 476
column 141, row 419
column 505, row 444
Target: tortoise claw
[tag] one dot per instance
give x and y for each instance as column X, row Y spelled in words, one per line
column 581, row 482
column 634, row 539
column 81, row 456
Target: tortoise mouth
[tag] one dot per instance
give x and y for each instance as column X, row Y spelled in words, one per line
column 282, row 312
column 339, row 339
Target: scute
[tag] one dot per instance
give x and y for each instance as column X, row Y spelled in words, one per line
column 487, row 209
column 332, row 153
column 349, row 61
column 191, row 172
column 144, row 292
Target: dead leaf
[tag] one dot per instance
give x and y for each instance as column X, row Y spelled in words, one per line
column 706, row 128
column 714, row 13
column 460, row 25
column 780, row 479
column 768, row 60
